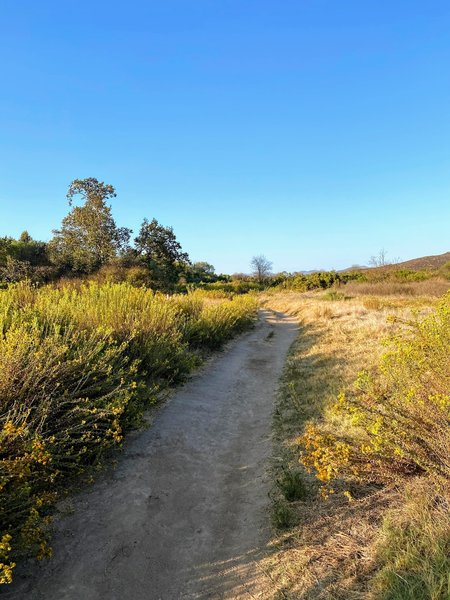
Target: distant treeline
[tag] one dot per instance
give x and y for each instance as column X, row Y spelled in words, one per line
column 326, row 279
column 90, row 245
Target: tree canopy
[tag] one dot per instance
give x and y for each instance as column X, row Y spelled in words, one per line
column 89, row 236
column 159, row 250
column 89, row 240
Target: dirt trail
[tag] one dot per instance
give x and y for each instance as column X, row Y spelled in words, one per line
column 184, row 515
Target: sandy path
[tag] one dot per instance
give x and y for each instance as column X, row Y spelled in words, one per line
column 184, row 515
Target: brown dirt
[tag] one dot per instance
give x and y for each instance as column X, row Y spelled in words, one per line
column 185, row 513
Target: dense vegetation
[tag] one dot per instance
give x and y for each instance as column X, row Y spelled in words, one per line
column 79, row 364
column 89, row 242
column 398, row 416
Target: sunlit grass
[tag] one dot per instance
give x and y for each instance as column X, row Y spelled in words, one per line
column 362, row 540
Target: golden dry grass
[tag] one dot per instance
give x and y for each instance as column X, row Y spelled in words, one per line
column 330, row 548
column 434, row 287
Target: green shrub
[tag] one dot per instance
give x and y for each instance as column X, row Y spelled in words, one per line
column 445, row 270
column 231, row 287
column 410, row 275
column 320, row 280
column 282, row 516
column 219, row 322
column 62, row 394
column 334, row 295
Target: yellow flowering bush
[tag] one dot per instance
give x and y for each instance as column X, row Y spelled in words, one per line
column 6, row 568
column 217, row 322
column 394, row 422
column 79, row 363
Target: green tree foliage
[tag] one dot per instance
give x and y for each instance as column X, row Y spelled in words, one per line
column 24, row 258
column 200, row 272
column 158, row 249
column 89, row 236
column 15, row 270
column 24, row 249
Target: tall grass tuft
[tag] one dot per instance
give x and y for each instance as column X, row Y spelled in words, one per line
column 413, row 549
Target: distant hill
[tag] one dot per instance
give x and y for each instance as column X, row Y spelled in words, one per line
column 424, row 262
column 415, row 264
column 354, row 268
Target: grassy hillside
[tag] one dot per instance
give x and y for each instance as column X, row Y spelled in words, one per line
column 436, row 261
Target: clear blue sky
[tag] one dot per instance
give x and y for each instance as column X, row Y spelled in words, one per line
column 315, row 132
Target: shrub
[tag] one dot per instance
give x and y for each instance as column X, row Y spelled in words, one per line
column 219, row 322
column 62, row 394
column 282, row 515
column 397, row 419
column 232, row 287
column 320, row 280
column 409, row 275
column 79, row 363
column 334, row 296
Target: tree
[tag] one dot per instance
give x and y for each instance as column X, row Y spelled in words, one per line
column 379, row 260
column 25, row 237
column 161, row 253
column 261, row 268
column 23, row 249
column 201, row 272
column 89, row 236
column 28, row 250
column 6, row 244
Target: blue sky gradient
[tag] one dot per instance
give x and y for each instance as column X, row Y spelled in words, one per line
column 315, row 132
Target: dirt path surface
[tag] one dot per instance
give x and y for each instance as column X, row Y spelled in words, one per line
column 184, row 514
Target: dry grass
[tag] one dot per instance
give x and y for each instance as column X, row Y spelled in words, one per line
column 329, row 549
column 425, row 289
column 413, row 547
column 437, row 261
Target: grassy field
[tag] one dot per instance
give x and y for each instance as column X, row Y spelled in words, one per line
column 80, row 363
column 361, row 499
